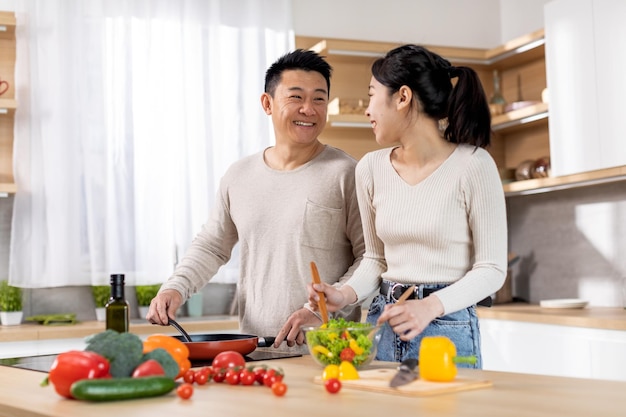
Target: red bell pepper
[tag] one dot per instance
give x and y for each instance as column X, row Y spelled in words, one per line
column 149, row 368
column 71, row 366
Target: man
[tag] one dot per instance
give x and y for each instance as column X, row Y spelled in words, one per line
column 288, row 205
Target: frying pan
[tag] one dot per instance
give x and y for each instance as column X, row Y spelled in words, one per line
column 207, row 346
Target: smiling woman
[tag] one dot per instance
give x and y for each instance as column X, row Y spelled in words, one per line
column 120, row 154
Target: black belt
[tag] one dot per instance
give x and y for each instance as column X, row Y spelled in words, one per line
column 393, row 291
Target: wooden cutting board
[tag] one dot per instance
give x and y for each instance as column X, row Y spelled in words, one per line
column 377, row 380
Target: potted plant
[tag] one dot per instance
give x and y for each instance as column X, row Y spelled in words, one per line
column 101, row 295
column 10, row 304
column 145, row 294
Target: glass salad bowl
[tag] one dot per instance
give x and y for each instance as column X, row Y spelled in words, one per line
column 340, row 340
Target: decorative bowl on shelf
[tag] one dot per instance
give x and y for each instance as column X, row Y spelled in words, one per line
column 541, row 168
column 340, row 340
column 524, row 170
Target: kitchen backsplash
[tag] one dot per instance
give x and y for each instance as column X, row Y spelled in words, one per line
column 572, row 244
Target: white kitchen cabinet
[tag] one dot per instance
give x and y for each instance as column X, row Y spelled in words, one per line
column 585, row 55
column 546, row 349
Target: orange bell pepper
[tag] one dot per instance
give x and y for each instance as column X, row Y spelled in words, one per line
column 173, row 346
column 437, row 359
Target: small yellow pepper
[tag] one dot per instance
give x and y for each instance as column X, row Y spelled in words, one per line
column 437, row 359
column 322, row 351
column 355, row 347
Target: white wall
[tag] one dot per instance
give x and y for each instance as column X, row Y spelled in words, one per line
column 7, row 5
column 518, row 18
column 462, row 23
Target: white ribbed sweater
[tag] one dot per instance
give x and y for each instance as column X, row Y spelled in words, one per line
column 449, row 228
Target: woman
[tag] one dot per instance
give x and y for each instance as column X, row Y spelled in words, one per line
column 432, row 206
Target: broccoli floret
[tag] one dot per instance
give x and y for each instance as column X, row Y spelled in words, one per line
column 123, row 350
column 169, row 364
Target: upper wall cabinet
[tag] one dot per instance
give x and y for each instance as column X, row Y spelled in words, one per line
column 586, row 55
column 7, row 102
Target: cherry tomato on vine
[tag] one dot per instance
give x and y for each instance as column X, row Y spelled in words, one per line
column 201, row 378
column 259, row 373
column 347, row 354
column 206, row 370
column 185, row 391
column 246, row 376
column 219, row 376
column 232, row 376
column 271, row 376
column 333, row 385
column 279, row 388
column 189, row 376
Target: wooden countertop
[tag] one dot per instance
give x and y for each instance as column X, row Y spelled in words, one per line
column 34, row 331
column 607, row 318
column 512, row 394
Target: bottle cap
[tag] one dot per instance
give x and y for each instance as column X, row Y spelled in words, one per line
column 117, row 279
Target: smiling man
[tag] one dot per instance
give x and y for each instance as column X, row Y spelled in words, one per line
column 291, row 204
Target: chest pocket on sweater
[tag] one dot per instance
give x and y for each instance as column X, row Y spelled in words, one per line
column 320, row 225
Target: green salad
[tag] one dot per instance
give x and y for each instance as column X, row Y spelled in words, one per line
column 341, row 340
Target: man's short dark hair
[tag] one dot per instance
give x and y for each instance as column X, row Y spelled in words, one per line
column 300, row 59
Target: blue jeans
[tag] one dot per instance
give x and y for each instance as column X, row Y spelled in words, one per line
column 461, row 327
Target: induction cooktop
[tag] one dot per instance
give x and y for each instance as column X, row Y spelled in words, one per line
column 43, row 363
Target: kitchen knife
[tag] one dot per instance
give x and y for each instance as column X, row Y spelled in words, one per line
column 406, row 373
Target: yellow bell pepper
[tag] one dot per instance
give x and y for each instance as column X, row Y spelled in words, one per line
column 347, row 371
column 330, row 372
column 437, row 359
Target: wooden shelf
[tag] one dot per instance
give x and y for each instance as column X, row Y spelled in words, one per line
column 349, row 120
column 7, row 106
column 7, row 25
column 7, row 103
column 501, row 122
column 7, row 188
column 543, row 185
column 516, row 52
column 520, row 117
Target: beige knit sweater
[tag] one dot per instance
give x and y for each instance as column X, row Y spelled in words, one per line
column 283, row 220
column 449, row 228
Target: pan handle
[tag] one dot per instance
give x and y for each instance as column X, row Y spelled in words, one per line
column 182, row 331
column 265, row 341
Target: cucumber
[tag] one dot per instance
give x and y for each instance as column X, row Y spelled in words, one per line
column 115, row 389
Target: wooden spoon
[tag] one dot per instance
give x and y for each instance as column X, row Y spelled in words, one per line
column 406, row 294
column 322, row 302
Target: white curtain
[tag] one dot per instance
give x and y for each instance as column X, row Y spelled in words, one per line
column 129, row 112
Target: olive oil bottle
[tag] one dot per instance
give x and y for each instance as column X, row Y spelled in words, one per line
column 117, row 309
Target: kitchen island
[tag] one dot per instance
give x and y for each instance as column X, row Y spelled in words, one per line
column 512, row 394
